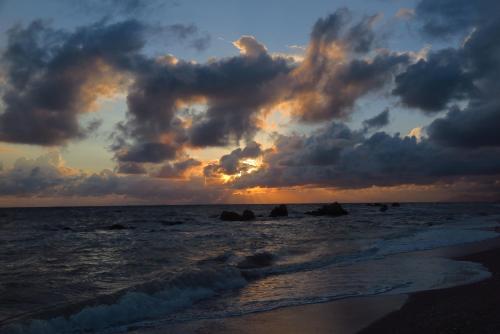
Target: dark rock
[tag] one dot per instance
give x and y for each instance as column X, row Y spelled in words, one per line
column 219, row 259
column 384, row 208
column 396, row 204
column 233, row 216
column 171, row 223
column 334, row 209
column 279, row 211
column 259, row 260
column 116, row 227
column 230, row 216
column 248, row 215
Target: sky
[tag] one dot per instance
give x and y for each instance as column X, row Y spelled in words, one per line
column 226, row 101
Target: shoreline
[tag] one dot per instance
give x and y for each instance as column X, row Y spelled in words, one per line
column 365, row 315
column 470, row 308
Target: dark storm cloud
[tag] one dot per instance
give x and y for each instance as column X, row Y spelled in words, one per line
column 338, row 28
column 54, row 76
column 341, row 158
column 361, row 35
column 233, row 90
column 176, row 169
column 475, row 126
column 443, row 18
column 231, row 164
column 237, row 88
column 345, row 84
column 48, row 72
column 469, row 73
column 432, row 83
column 332, row 77
column 377, row 121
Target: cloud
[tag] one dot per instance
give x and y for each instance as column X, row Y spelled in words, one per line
column 444, row 18
column 131, row 168
column 250, row 47
column 405, row 13
column 377, row 121
column 430, row 84
column 467, row 74
column 235, row 91
column 119, row 7
column 231, row 164
column 53, row 77
column 344, row 159
column 475, row 126
column 47, row 176
column 232, row 90
column 177, row 169
column 337, row 69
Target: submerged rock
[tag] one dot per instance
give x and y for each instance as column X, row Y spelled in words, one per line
column 396, row 204
column 230, row 216
column 334, row 209
column 234, row 216
column 171, row 223
column 115, row 227
column 384, row 208
column 248, row 215
column 259, row 260
column 279, row 211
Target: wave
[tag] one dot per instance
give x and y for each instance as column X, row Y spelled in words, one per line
column 134, row 306
column 157, row 299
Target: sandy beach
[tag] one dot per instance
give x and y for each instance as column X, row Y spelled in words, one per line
column 472, row 308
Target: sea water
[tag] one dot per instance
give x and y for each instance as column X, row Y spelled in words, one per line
column 63, row 270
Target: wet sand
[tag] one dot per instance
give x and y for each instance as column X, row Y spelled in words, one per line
column 472, row 308
column 346, row 316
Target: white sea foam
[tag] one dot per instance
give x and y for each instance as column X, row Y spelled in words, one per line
column 136, row 306
column 433, row 238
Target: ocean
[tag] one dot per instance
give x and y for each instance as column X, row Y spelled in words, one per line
column 66, row 270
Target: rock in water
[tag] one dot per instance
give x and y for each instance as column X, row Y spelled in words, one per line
column 258, row 260
column 230, row 216
column 171, row 223
column 248, row 215
column 396, row 204
column 279, row 211
column 115, row 227
column 384, row 208
column 334, row 209
column 233, row 216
